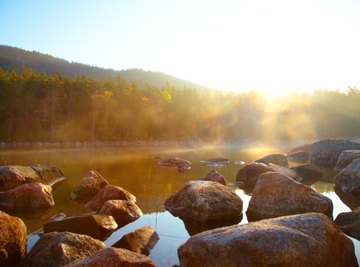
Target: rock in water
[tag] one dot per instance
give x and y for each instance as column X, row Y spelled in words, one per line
column 349, row 223
column 300, row 156
column 348, row 180
column 123, row 211
column 27, row 197
column 278, row 159
column 309, row 239
column 13, row 235
column 345, row 158
column 326, row 152
column 277, row 195
column 181, row 164
column 204, row 201
column 96, row 226
column 57, row 249
column 214, row 176
column 113, row 257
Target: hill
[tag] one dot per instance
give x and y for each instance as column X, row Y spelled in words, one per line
column 15, row 59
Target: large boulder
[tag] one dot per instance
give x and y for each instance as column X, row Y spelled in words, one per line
column 345, row 158
column 349, row 223
column 113, row 257
column 277, row 195
column 214, row 176
column 96, row 226
column 204, row 201
column 13, row 175
column 141, row 240
column 27, row 197
column 90, row 185
column 298, row 156
column 247, row 176
column 278, row 159
column 308, row 171
column 304, row 147
column 181, row 164
column 109, row 192
column 13, row 235
column 302, row 240
column 59, row 248
column 348, row 180
column 326, row 152
column 123, row 211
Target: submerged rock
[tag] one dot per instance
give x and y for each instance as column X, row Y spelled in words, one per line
column 109, row 192
column 113, row 257
column 96, row 226
column 141, row 240
column 214, row 176
column 123, row 211
column 345, row 158
column 181, row 164
column 13, row 235
column 204, row 201
column 57, row 249
column 292, row 241
column 348, row 180
column 277, row 195
column 326, row 152
column 278, row 159
column 27, row 197
column 349, row 223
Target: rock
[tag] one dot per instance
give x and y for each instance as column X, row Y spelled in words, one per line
column 13, row 176
column 141, row 241
column 305, row 147
column 308, row 171
column 214, row 162
column 204, row 201
column 278, row 159
column 345, row 158
column 123, row 211
column 181, row 164
column 113, row 257
column 299, row 156
column 96, row 226
column 349, row 223
column 348, row 180
column 27, row 197
column 247, row 176
column 60, row 248
column 89, row 186
column 277, row 195
column 13, row 235
column 109, row 192
column 350, row 200
column 309, row 239
column 326, row 152
column 214, row 176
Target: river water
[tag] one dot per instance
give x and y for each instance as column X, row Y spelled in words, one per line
column 136, row 169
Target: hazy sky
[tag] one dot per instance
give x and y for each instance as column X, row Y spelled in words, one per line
column 238, row 45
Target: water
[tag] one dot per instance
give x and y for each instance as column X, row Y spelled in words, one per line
column 136, row 169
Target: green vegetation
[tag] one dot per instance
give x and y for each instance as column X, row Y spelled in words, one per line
column 38, row 107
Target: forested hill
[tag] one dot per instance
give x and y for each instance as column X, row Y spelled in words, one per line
column 16, row 59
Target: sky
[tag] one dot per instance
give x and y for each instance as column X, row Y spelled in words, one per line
column 271, row 46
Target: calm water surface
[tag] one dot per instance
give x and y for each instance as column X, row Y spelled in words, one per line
column 136, row 169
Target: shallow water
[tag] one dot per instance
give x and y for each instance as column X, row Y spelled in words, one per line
column 136, row 169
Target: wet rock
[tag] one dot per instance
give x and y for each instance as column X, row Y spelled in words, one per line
column 349, row 223
column 59, row 248
column 141, row 240
column 204, row 201
column 326, row 152
column 13, row 235
column 299, row 156
column 29, row 197
column 214, row 162
column 13, row 175
column 113, row 257
column 345, row 158
column 89, row 186
column 214, row 176
column 348, row 180
column 308, row 171
column 109, row 192
column 96, row 226
column 123, row 211
column 350, row 200
column 181, row 164
column 292, row 241
column 277, row 195
column 278, row 159
column 247, row 176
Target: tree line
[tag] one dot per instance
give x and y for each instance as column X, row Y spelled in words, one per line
column 40, row 107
